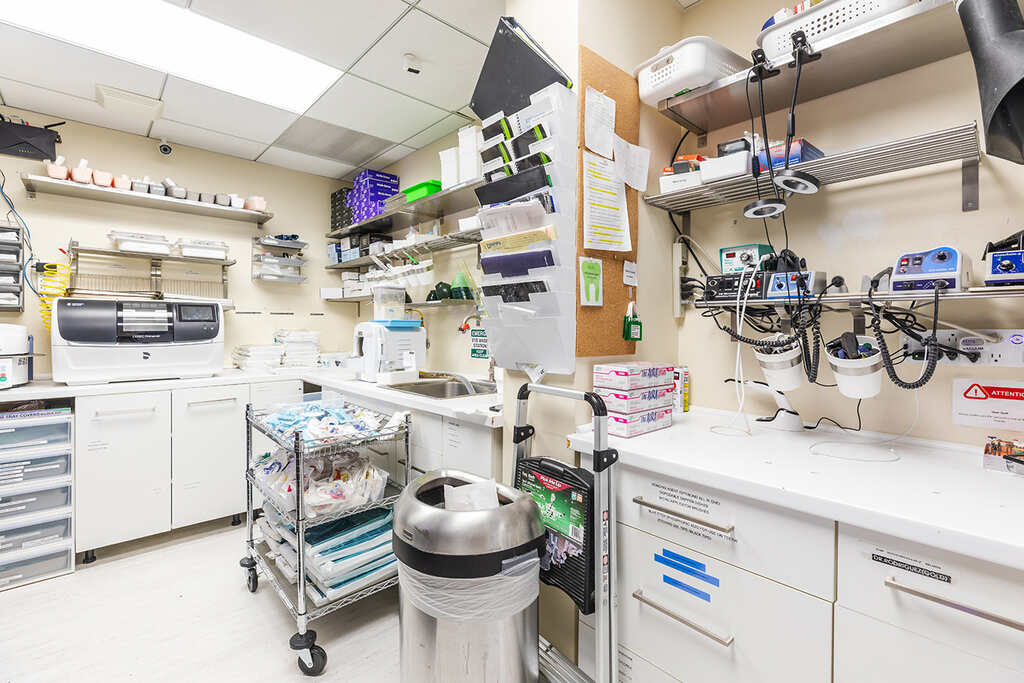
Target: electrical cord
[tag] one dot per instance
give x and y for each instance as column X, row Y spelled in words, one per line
column 860, row 422
column 679, row 232
column 930, row 342
column 680, row 144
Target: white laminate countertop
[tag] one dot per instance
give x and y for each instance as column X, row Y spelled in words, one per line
column 472, row 409
column 937, row 492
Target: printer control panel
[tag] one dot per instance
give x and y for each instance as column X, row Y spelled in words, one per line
column 136, row 322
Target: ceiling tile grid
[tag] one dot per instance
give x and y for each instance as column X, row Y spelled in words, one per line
column 199, row 105
column 63, row 106
column 278, row 156
column 193, row 136
column 312, row 136
column 478, row 18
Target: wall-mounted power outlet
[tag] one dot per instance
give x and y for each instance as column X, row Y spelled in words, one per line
column 1007, row 351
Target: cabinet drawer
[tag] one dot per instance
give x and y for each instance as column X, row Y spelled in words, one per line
column 701, row 619
column 28, row 500
column 427, row 430
column 965, row 603
column 790, row 547
column 24, row 567
column 268, row 394
column 871, row 651
column 30, row 467
column 35, row 431
column 632, row 667
column 35, row 535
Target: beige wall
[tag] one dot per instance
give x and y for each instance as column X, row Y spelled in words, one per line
column 300, row 202
column 860, row 227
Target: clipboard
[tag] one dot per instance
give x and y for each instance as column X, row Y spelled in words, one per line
column 515, row 66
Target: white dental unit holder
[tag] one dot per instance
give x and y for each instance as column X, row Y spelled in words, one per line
column 391, row 351
column 113, row 340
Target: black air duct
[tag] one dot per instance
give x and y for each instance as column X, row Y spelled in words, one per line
column 995, row 33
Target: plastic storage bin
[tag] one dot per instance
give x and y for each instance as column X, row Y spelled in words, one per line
column 203, row 249
column 32, row 467
column 35, row 535
column 29, row 500
column 688, row 64
column 858, row 377
column 34, row 431
column 823, row 20
column 20, row 569
column 421, row 190
column 388, row 303
column 140, row 242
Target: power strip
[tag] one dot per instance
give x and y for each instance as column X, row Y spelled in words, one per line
column 1009, row 351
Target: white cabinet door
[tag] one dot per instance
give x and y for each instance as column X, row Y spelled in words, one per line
column 871, row 651
column 207, row 453
column 264, row 395
column 468, row 447
column 703, row 620
column 123, row 468
column 632, row 667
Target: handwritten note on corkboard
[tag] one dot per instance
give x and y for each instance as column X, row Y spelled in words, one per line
column 599, row 329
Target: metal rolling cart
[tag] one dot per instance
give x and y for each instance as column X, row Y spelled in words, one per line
column 590, row 578
column 312, row 658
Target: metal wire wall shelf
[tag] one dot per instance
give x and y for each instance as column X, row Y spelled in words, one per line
column 954, row 144
column 452, row 240
column 312, row 658
column 42, row 184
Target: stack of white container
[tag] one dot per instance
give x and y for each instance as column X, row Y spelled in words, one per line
column 256, row 357
column 638, row 396
column 301, row 347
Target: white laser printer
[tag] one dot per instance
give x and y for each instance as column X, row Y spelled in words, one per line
column 113, row 340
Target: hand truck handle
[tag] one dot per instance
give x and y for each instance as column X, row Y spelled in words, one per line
column 604, row 457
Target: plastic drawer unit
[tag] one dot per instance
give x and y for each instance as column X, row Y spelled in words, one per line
column 25, row 432
column 24, row 465
column 33, row 497
column 34, row 564
column 35, row 535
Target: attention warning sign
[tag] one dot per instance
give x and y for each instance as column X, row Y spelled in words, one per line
column 988, row 403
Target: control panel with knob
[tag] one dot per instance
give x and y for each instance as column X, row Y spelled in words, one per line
column 942, row 267
column 1004, row 268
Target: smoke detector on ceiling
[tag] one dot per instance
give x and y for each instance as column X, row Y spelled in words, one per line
column 413, row 65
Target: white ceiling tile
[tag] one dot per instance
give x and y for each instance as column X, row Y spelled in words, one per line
column 450, row 61
column 199, row 105
column 278, row 156
column 445, row 126
column 368, row 108
column 468, row 113
column 335, row 32
column 55, row 65
column 325, row 140
column 478, row 18
column 61, row 106
column 390, row 156
column 350, row 176
column 206, row 139
column 179, row 3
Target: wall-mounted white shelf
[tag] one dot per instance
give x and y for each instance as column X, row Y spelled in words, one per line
column 279, row 261
column 269, row 277
column 442, row 303
column 922, row 33
column 451, row 240
column 351, row 299
column 453, row 200
column 36, row 184
column 955, row 144
column 273, row 242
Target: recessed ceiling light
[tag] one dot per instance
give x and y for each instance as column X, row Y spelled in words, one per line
column 164, row 37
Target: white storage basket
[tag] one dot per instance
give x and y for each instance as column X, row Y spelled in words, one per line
column 824, row 20
column 689, row 64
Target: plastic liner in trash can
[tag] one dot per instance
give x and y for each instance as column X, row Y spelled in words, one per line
column 468, row 583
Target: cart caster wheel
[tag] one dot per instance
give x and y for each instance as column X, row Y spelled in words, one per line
column 252, row 580
column 319, row 657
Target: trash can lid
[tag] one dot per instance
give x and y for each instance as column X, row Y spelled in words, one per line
column 463, row 544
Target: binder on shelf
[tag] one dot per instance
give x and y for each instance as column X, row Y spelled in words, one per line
column 516, row 66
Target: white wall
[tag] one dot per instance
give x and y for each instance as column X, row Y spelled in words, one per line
column 300, row 202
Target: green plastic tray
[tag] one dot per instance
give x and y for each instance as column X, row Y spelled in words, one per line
column 421, row 190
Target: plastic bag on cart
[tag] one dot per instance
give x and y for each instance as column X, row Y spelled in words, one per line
column 478, row 600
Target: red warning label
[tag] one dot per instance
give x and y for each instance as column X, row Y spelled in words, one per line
column 975, row 391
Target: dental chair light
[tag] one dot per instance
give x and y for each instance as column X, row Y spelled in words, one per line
column 765, row 208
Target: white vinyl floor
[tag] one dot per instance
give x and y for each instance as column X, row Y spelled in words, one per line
column 175, row 608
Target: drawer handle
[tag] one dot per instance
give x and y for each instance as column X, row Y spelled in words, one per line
column 639, row 500
column 727, row 641
column 891, row 582
column 212, row 401
column 100, row 414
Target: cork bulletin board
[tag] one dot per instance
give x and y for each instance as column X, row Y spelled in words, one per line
column 599, row 328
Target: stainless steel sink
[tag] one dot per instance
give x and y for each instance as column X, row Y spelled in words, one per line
column 444, row 388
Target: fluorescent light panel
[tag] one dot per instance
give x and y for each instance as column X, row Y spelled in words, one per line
column 164, row 37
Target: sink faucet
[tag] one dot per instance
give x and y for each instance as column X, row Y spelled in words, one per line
column 464, row 381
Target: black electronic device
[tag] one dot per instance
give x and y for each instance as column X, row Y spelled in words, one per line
column 732, row 285
column 30, row 142
column 565, row 496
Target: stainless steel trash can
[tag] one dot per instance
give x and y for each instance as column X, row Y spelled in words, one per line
column 468, row 583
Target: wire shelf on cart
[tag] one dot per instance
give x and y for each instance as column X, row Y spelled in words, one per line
column 312, row 658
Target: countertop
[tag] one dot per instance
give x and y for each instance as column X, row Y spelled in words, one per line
column 472, row 409
column 937, row 492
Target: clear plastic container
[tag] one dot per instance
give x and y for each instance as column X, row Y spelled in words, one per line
column 203, row 248
column 388, row 302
